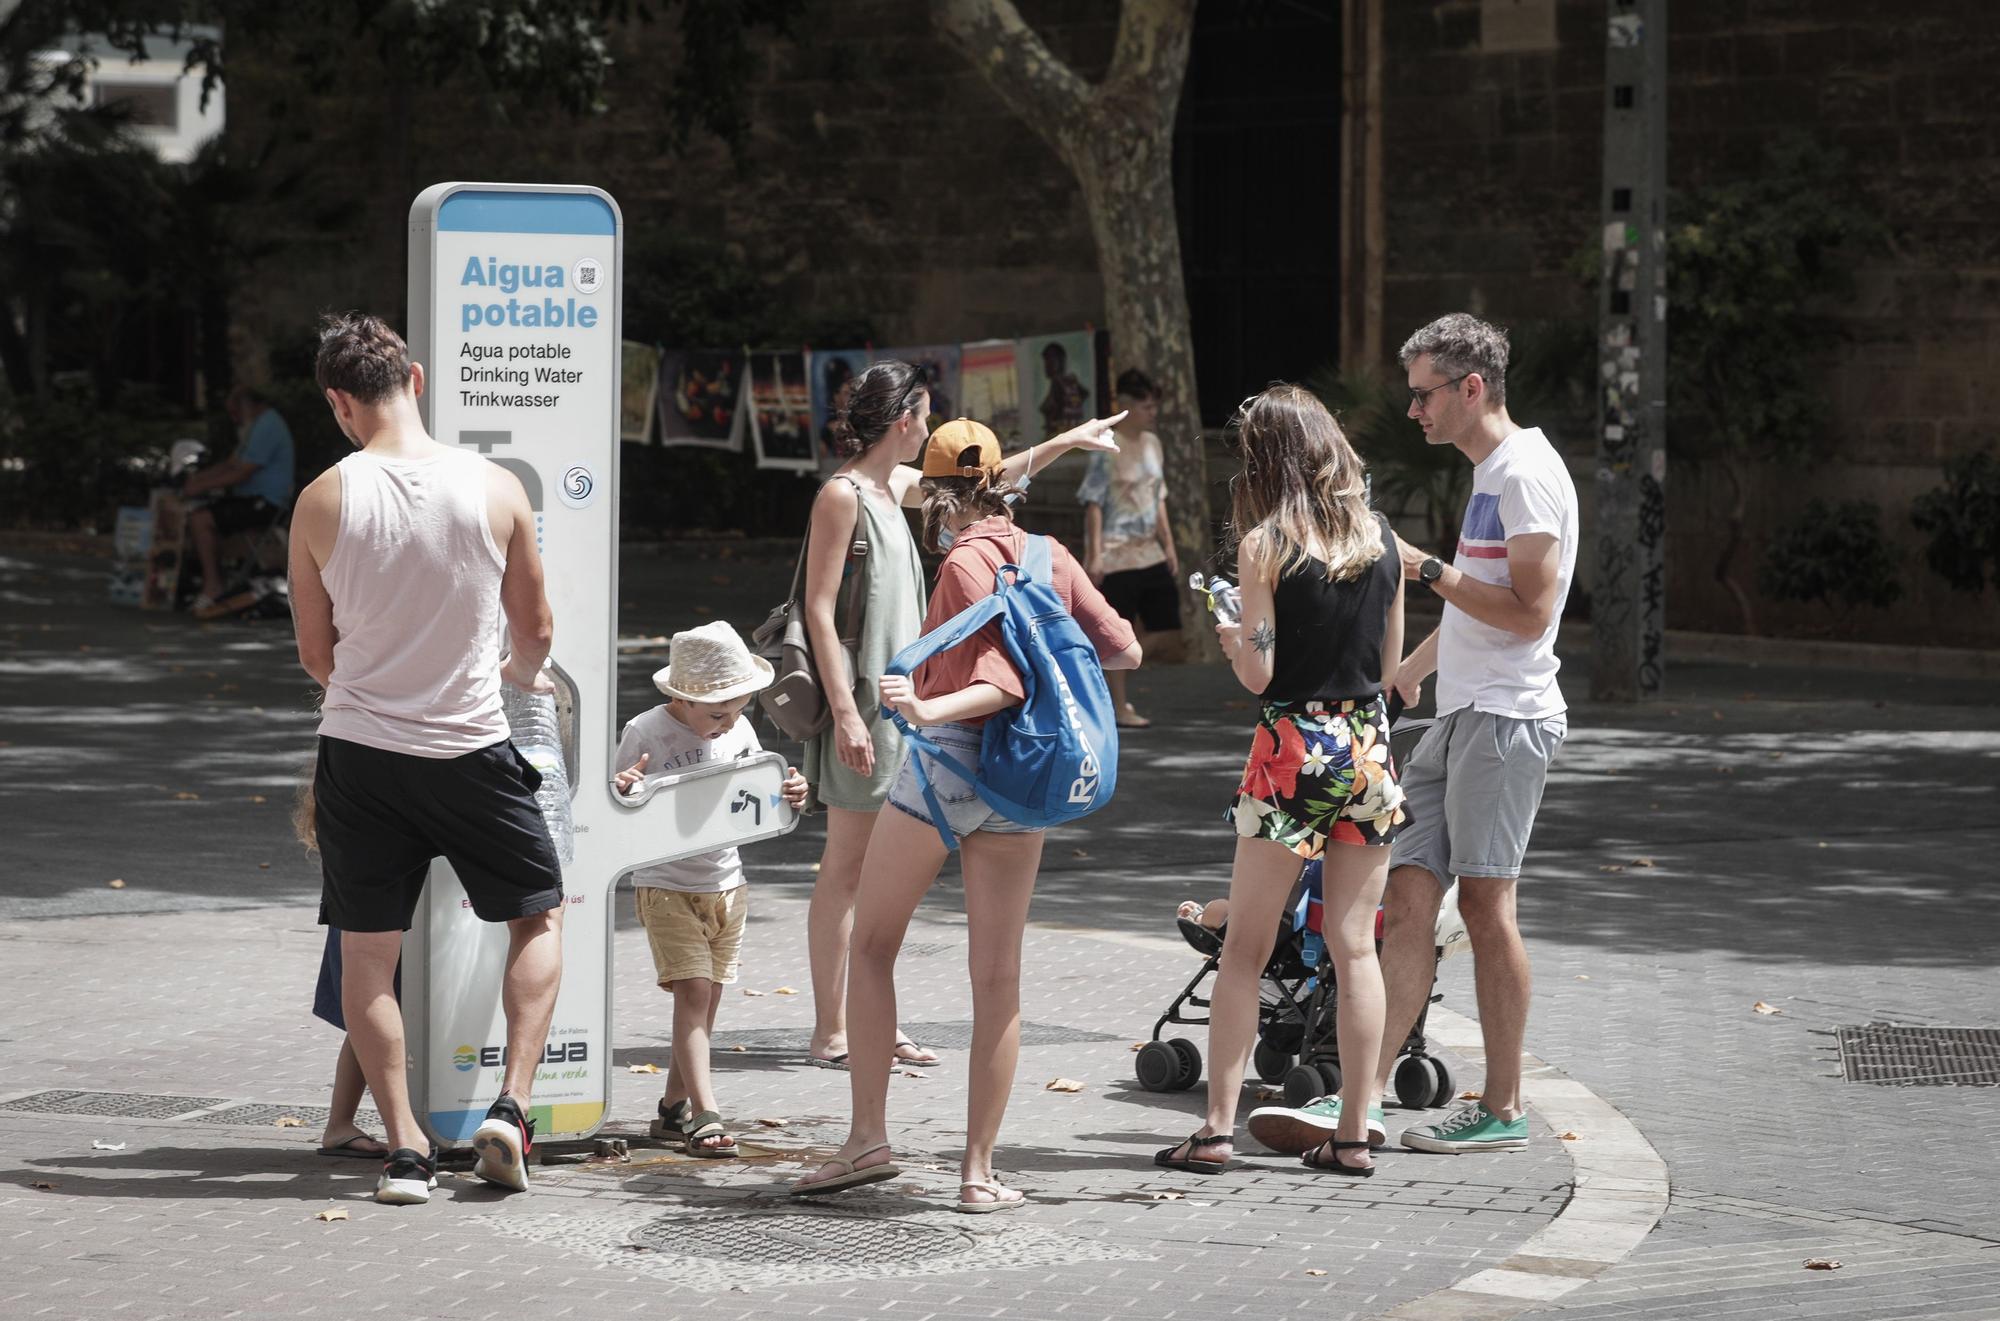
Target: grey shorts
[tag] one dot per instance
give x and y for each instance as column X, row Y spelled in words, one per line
column 964, row 810
column 1472, row 789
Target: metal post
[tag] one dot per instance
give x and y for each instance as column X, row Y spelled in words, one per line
column 1628, row 598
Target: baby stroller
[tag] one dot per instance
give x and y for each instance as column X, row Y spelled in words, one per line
column 1296, row 1044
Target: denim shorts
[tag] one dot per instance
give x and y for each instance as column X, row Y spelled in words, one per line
column 964, row 810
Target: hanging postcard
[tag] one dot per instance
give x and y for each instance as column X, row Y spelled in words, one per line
column 641, row 381
column 701, row 393
column 940, row 366
column 780, row 411
column 990, row 387
column 1059, row 382
column 830, row 370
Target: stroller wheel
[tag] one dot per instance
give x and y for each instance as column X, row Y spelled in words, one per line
column 1303, row 1084
column 1270, row 1062
column 1158, row 1066
column 1421, row 1082
column 1329, row 1073
column 1446, row 1088
column 1190, row 1062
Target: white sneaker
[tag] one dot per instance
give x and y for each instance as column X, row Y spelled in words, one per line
column 407, row 1178
column 503, row 1142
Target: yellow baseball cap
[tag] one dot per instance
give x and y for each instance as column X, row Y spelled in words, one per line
column 962, row 448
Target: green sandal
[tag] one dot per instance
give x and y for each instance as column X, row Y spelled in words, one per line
column 699, row 1128
column 671, row 1117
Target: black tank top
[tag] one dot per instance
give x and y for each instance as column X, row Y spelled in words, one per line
column 1330, row 634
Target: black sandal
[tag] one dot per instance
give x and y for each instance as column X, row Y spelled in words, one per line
column 1332, row 1163
column 1167, row 1160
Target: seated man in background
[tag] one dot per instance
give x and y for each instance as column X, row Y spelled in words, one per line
column 256, row 482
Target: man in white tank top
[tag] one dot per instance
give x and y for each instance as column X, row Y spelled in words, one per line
column 405, row 558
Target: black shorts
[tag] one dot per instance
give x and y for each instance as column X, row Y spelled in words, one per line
column 1148, row 598
column 382, row 816
column 241, row 513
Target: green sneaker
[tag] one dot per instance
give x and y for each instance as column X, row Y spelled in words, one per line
column 1469, row 1128
column 1294, row 1132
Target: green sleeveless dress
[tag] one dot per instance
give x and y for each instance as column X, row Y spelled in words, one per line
column 893, row 588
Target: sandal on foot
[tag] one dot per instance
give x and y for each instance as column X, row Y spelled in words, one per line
column 1332, row 1164
column 828, row 1061
column 705, row 1127
column 670, row 1118
column 349, row 1148
column 999, row 1202
column 854, row 1175
column 1167, row 1160
column 911, row 1060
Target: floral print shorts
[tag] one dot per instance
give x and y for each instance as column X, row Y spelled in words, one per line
column 1320, row 771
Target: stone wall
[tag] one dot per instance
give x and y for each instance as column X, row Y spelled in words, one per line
column 1492, row 129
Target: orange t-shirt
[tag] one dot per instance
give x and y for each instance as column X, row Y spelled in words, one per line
column 966, row 576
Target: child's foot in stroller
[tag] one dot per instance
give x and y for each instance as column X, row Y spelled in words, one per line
column 1214, row 913
column 1201, row 1153
column 1189, row 911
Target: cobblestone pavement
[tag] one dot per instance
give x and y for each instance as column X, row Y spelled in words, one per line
column 1805, row 839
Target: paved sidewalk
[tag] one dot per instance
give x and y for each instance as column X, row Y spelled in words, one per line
column 1816, row 841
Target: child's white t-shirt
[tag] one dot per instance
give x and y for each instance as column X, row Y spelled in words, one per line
column 1520, row 488
column 671, row 746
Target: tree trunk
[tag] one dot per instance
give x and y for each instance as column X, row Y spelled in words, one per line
column 1117, row 139
column 1725, row 560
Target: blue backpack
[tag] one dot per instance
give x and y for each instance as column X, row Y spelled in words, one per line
column 1054, row 757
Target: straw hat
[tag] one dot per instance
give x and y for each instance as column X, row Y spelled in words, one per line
column 712, row 664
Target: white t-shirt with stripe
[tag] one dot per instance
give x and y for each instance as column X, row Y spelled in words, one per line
column 1520, row 488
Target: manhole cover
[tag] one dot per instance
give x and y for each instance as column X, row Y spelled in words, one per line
column 927, row 949
column 1921, row 1056
column 799, row 1238
column 309, row 1116
column 125, row 1105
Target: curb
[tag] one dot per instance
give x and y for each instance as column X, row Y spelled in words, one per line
column 1618, row 1194
column 1618, row 1190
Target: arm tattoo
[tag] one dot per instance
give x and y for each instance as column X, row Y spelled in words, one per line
column 1263, row 637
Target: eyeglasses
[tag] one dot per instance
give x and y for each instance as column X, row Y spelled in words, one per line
column 1421, row 398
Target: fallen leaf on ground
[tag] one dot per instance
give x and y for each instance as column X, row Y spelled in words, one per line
column 118, row 884
column 332, row 1213
column 1583, row 976
column 1079, row 853
column 1822, row 1264
column 774, row 1123
column 256, row 798
column 185, row 796
column 1642, row 862
column 785, row 990
column 101, row 1145
column 1568, row 1136
column 1315, row 1272
column 1611, row 866
column 1064, row 1085
column 289, row 1121
column 1266, row 1094
column 1470, row 1096
column 748, row 991
column 1761, row 1008
column 913, row 1073
column 43, row 1185
column 1137, row 1045
column 739, row 1049
column 645, row 1068
column 263, row 866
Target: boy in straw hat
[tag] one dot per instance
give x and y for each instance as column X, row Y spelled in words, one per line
column 693, row 909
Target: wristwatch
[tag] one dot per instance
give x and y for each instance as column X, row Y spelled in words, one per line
column 1431, row 570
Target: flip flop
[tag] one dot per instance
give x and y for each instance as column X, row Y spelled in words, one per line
column 998, row 1203
column 349, row 1150
column 828, row 1061
column 855, row 1177
column 907, row 1044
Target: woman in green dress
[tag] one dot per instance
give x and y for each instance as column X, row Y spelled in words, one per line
column 851, row 765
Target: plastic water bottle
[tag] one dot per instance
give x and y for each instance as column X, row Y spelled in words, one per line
column 538, row 734
column 1224, row 598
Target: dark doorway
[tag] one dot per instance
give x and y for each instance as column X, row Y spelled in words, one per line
column 1257, row 181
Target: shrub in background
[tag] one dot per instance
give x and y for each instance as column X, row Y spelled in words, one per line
column 1963, row 519
column 1835, row 555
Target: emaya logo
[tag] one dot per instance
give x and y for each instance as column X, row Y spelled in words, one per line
column 467, row 1058
column 1083, row 789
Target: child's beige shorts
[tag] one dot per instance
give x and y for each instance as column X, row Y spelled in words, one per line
column 693, row 935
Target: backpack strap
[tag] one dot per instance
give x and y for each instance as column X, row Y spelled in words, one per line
column 920, row 744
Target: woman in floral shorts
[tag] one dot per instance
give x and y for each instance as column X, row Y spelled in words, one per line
column 1322, row 623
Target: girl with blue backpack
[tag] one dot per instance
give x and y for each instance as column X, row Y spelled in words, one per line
column 1010, row 728
column 1321, row 624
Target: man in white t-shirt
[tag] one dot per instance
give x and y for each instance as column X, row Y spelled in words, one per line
column 1474, row 783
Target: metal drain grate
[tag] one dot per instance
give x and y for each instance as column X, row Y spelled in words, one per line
column 309, row 1116
column 123, row 1105
column 800, row 1238
column 1921, row 1056
column 928, row 949
column 944, row 1036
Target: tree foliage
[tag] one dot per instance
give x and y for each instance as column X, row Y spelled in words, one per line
column 1963, row 520
column 1835, row 555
